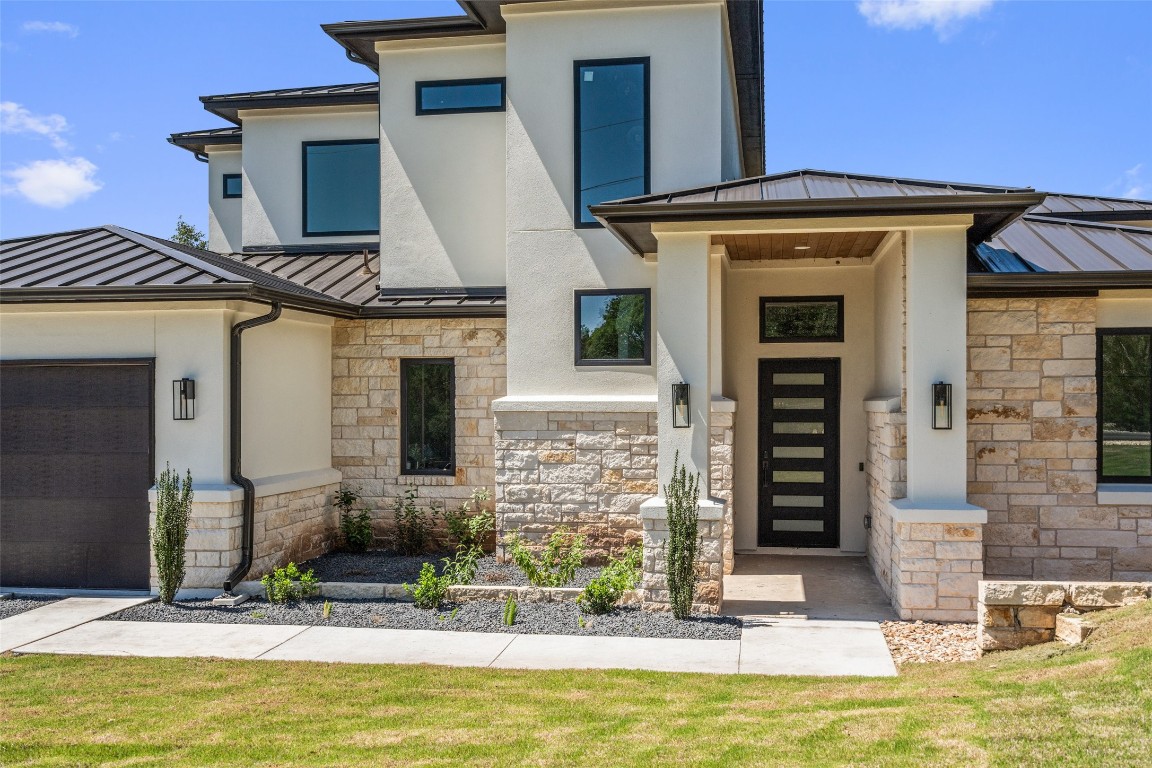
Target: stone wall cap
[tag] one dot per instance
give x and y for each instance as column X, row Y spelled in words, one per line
column 909, row 511
column 562, row 403
column 214, row 493
column 882, row 404
column 721, row 404
column 656, row 508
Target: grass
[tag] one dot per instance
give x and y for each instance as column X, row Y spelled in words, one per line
column 1049, row 705
column 1127, row 460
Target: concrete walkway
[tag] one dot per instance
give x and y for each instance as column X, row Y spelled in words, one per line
column 39, row 623
column 805, row 586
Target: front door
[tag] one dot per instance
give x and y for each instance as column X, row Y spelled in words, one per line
column 799, row 453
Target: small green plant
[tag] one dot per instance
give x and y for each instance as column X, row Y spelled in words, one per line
column 257, row 614
column 327, row 611
column 510, row 611
column 355, row 524
column 580, row 621
column 413, row 523
column 557, row 563
column 429, row 590
column 469, row 525
column 288, row 584
column 173, row 507
column 682, row 495
column 461, row 567
column 604, row 592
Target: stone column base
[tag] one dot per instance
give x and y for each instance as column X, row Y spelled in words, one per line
column 937, row 560
column 709, row 570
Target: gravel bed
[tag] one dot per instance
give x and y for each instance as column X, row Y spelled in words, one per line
column 12, row 606
column 918, row 642
column 531, row 619
column 384, row 566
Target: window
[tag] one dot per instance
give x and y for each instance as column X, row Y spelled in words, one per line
column 341, row 187
column 1124, row 392
column 613, row 327
column 233, row 185
column 446, row 97
column 801, row 319
column 427, row 416
column 612, row 129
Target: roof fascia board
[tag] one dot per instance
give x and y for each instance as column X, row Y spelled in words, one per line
column 428, row 43
column 824, row 224
column 228, row 107
column 1023, row 283
column 310, row 109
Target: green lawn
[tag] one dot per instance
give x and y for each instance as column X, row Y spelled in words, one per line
column 1127, row 460
column 1045, row 706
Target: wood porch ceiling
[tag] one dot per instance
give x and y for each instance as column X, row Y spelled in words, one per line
column 820, row 245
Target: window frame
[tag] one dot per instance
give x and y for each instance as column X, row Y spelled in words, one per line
column 304, row 230
column 617, row 362
column 405, row 364
column 576, row 153
column 224, row 179
column 1100, row 476
column 837, row 300
column 422, row 84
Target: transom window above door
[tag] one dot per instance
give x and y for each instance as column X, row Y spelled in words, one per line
column 801, row 319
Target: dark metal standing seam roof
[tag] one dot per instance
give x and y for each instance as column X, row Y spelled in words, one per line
column 1087, row 208
column 197, row 141
column 1046, row 244
column 228, row 105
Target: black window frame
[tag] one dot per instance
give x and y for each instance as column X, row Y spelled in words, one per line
column 224, row 185
column 837, row 300
column 405, row 364
column 304, row 145
column 422, row 84
column 576, row 153
column 631, row 362
column 1100, row 476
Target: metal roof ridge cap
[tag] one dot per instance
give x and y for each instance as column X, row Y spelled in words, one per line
column 178, row 255
column 1055, row 218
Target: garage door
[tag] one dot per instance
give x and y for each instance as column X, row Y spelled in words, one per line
column 75, row 468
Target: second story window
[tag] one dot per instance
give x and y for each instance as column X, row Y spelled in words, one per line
column 341, row 182
column 233, row 185
column 444, row 97
column 612, row 157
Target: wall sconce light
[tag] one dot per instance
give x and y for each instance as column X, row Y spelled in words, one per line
column 184, row 399
column 681, row 413
column 941, row 405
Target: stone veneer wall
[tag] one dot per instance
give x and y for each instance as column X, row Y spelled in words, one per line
column 1032, row 446
column 886, row 464
column 588, row 471
column 213, row 546
column 710, row 565
column 721, row 455
column 366, row 406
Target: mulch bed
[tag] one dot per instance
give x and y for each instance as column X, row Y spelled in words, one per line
column 919, row 642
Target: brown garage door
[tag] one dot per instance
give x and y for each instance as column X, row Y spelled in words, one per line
column 75, row 468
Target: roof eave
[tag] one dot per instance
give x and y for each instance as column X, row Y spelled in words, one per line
column 155, row 293
column 996, row 285
column 199, row 145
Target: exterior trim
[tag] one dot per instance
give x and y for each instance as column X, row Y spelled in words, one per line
column 501, row 81
column 992, row 285
column 576, row 65
column 646, row 360
column 304, row 231
column 405, row 364
column 1100, row 476
column 837, row 300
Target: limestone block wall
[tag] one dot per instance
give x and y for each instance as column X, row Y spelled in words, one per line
column 292, row 527
column 935, row 570
column 722, row 433
column 366, row 406
column 886, row 466
column 1032, row 446
column 709, row 593
column 213, row 546
column 588, row 471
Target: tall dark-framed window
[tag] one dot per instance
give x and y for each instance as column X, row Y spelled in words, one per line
column 428, row 416
column 447, row 97
column 801, row 319
column 232, row 185
column 613, row 327
column 341, row 187
column 611, row 145
column 1124, row 404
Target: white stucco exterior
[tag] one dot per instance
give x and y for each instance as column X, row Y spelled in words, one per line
column 225, row 215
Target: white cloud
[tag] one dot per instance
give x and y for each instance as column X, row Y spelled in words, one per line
column 944, row 16
column 16, row 119
column 1132, row 183
column 54, row 27
column 54, row 183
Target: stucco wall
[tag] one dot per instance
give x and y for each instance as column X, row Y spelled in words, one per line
column 742, row 352
column 442, row 176
column 273, row 168
column 888, row 282
column 547, row 258
column 224, row 214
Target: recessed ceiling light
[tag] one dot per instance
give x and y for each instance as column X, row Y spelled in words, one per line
column 802, row 247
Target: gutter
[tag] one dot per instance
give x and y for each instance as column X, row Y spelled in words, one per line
column 1000, row 285
column 236, row 409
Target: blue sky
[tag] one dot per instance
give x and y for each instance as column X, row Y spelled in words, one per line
column 1056, row 95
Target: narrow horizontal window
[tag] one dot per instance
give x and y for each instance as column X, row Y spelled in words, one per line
column 801, row 319
column 428, row 416
column 1124, row 386
column 233, row 185
column 613, row 327
column 341, row 192
column 611, row 144
column 445, row 97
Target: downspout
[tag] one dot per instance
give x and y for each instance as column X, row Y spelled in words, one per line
column 236, row 411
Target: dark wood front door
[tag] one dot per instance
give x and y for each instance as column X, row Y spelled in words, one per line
column 75, row 468
column 799, row 453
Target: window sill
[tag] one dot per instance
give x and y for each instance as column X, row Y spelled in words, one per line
column 1124, row 493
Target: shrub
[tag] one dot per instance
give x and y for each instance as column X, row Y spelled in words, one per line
column 682, row 495
column 413, row 524
column 173, row 506
column 287, row 584
column 430, row 589
column 603, row 593
column 355, row 524
column 557, row 563
column 471, row 524
column 461, row 568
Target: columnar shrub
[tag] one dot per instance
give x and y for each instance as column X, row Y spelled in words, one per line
column 173, row 507
column 682, row 495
